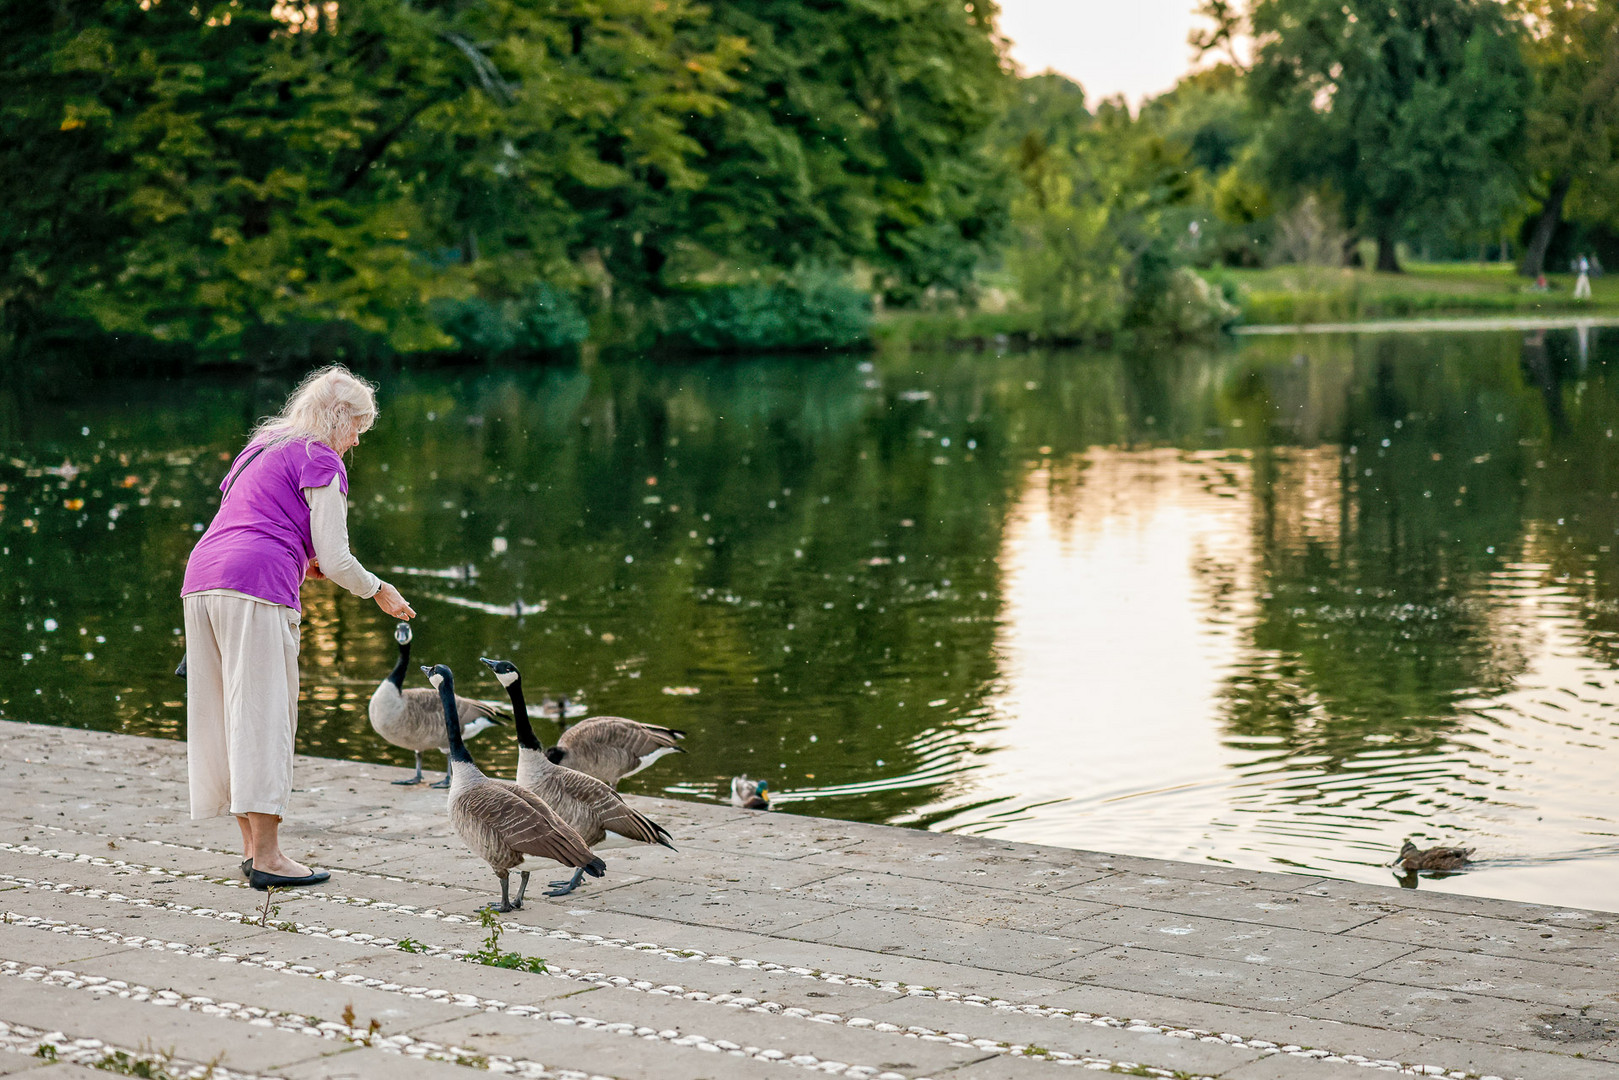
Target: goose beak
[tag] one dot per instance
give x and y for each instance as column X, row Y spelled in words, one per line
column 487, row 661
column 427, row 671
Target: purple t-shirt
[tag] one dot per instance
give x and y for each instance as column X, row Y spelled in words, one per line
column 260, row 542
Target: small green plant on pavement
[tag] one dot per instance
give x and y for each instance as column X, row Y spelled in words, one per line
column 491, row 955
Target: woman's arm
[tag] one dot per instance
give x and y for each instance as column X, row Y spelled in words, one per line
column 329, row 528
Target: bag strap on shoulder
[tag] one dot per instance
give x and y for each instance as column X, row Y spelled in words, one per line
column 231, row 482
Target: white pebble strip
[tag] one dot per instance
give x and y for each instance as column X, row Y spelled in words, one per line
column 297, row 1024
column 726, row 1000
column 404, row 1044
column 1265, row 1046
column 31, row 1042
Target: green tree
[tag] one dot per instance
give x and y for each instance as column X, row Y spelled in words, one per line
column 224, row 176
column 1209, row 113
column 1411, row 111
column 1096, row 232
column 1048, row 108
column 857, row 132
column 1573, row 51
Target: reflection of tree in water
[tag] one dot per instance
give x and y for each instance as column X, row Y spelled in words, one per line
column 1574, row 497
column 1375, row 616
column 1540, row 372
column 1375, row 609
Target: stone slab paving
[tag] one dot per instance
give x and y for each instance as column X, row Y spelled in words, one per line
column 769, row 945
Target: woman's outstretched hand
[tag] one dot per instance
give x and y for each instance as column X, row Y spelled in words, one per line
column 389, row 600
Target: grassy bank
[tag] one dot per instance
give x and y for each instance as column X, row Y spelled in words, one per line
column 1287, row 295
column 1301, row 294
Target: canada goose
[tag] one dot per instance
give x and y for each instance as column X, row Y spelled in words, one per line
column 611, row 747
column 499, row 820
column 587, row 803
column 1412, row 859
column 750, row 794
column 412, row 718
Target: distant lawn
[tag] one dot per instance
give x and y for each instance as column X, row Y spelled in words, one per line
column 1289, row 295
column 1305, row 294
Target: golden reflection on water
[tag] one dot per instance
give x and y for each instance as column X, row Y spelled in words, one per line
column 1120, row 574
column 1131, row 585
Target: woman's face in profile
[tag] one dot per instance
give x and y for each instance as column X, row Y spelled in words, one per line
column 348, row 438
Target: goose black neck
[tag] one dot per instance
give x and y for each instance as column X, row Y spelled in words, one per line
column 452, row 722
column 397, row 675
column 525, row 731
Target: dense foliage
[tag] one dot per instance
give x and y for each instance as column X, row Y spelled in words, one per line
column 1400, row 108
column 241, row 175
column 265, row 178
column 1573, row 47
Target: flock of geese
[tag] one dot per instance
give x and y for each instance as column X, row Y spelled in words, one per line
column 565, row 800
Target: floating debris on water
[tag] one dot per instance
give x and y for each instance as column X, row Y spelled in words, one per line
column 464, row 572
column 682, row 691
column 516, row 607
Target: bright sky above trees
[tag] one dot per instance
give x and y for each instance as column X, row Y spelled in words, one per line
column 1136, row 48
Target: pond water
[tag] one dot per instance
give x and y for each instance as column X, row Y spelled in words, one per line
column 1278, row 605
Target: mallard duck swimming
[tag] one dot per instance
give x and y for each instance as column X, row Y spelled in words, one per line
column 750, row 794
column 1413, row 859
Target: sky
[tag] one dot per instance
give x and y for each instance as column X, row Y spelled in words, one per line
column 1134, row 47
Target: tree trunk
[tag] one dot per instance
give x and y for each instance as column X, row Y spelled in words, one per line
column 1351, row 251
column 1388, row 257
column 1551, row 215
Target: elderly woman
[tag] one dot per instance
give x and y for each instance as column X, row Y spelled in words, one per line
column 283, row 517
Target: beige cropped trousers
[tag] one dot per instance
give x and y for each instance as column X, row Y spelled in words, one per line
column 241, row 703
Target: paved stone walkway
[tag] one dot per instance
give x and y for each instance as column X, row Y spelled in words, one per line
column 769, row 946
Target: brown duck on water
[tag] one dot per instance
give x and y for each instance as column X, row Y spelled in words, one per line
column 1413, row 859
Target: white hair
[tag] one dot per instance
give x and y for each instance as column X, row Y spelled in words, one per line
column 321, row 409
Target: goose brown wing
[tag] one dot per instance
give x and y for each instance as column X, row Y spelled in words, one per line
column 526, row 823
column 470, row 709
column 609, row 807
column 631, row 735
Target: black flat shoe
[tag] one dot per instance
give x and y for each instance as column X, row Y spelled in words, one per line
column 260, row 880
column 247, row 868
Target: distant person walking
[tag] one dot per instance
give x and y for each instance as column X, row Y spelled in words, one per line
column 1582, row 287
column 283, row 517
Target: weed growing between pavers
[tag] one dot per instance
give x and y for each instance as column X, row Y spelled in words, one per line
column 491, row 956
column 410, row 945
column 264, row 916
column 148, row 1066
column 373, row 1030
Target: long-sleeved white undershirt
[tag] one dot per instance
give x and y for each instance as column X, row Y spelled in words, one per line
column 329, row 529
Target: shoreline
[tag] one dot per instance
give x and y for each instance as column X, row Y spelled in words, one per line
column 1449, row 324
